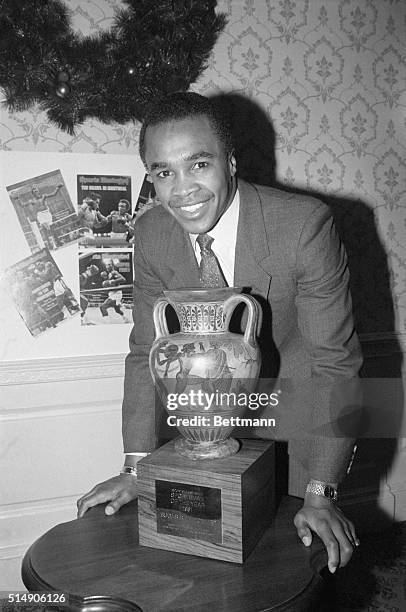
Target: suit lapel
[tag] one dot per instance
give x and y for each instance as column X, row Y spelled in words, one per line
column 181, row 260
column 252, row 257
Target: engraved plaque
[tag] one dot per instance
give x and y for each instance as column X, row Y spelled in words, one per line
column 188, row 511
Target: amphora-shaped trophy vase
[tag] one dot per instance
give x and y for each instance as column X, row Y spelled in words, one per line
column 204, row 373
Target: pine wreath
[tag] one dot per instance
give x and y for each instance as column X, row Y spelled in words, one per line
column 153, row 47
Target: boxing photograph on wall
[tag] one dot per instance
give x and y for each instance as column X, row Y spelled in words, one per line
column 45, row 211
column 104, row 210
column 105, row 279
column 40, row 293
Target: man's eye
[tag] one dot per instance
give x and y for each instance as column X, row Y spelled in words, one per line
column 200, row 164
column 164, row 173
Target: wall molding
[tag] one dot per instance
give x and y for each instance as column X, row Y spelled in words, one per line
column 14, row 551
column 15, row 413
column 33, row 508
column 60, row 369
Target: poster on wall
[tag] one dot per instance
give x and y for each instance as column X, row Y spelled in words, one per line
column 40, row 293
column 106, row 286
column 104, row 210
column 45, row 211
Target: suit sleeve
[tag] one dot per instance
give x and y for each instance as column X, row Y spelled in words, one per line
column 138, row 410
column 325, row 321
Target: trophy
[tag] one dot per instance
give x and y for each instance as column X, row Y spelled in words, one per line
column 206, row 493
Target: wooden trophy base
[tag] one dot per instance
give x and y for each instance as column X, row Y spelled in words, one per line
column 217, row 508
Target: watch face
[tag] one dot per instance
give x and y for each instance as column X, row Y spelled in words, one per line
column 329, row 492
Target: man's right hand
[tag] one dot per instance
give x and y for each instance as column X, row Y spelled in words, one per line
column 118, row 490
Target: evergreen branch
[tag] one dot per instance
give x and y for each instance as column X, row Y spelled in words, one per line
column 152, row 48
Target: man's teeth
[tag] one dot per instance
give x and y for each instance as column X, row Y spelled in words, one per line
column 192, row 208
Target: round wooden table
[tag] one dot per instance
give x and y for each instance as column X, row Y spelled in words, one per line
column 99, row 555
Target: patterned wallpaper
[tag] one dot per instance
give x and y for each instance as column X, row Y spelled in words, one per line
column 317, row 91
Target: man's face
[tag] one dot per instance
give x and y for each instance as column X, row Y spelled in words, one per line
column 122, row 207
column 91, row 204
column 192, row 174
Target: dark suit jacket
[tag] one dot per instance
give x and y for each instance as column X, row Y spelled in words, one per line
column 289, row 254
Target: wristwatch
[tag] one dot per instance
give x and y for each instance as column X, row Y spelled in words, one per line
column 129, row 469
column 323, row 489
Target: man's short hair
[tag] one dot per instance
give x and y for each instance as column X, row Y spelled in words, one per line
column 90, row 202
column 183, row 105
column 126, row 202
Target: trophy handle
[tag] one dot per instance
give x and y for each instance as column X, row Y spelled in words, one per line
column 161, row 328
column 253, row 315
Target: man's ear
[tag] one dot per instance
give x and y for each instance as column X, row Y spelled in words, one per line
column 232, row 163
column 148, row 177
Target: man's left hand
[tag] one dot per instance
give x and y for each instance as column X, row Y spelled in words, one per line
column 331, row 525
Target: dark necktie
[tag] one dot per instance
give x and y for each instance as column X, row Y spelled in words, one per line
column 210, row 271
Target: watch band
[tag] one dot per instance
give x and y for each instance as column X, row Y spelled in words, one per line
column 129, row 469
column 323, row 489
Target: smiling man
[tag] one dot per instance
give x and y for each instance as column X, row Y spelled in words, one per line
column 285, row 248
